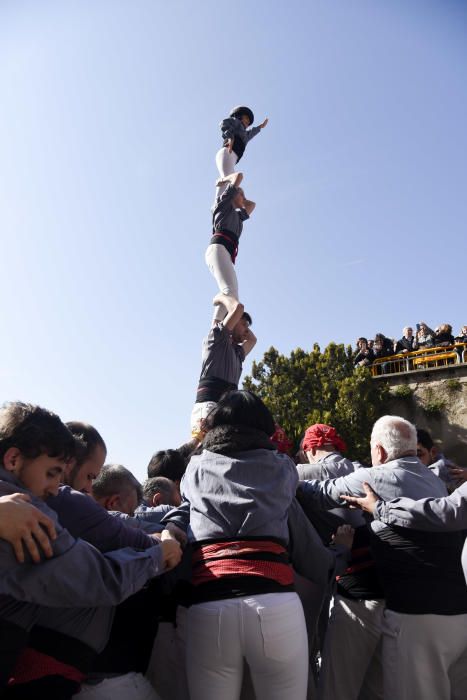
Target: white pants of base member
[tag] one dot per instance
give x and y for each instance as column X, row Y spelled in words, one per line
column 424, row 656
column 131, row 686
column 166, row 670
column 268, row 631
column 225, row 163
column 221, row 267
column 351, row 666
column 199, row 413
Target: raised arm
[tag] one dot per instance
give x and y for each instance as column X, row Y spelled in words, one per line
column 234, row 310
column 251, row 133
column 249, row 206
column 249, row 343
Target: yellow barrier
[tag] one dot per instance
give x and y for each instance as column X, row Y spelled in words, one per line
column 411, row 361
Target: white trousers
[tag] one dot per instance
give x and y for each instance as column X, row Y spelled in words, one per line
column 268, row 631
column 131, row 686
column 225, row 163
column 221, row 267
column 166, row 669
column 199, row 413
column 351, row 667
column 424, row 656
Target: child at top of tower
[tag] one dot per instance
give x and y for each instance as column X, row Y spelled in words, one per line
column 235, row 136
column 235, row 132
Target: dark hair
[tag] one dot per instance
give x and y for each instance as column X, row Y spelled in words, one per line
column 424, row 438
column 115, row 479
column 241, row 408
column 168, row 463
column 188, row 449
column 241, row 110
column 87, row 439
column 362, row 339
column 380, row 336
column 247, row 317
column 34, row 431
column 158, row 484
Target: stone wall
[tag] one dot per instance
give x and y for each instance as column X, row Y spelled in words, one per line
column 434, row 399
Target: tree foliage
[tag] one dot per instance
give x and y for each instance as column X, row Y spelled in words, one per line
column 320, row 387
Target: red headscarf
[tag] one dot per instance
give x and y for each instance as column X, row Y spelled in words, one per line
column 319, row 434
column 280, row 439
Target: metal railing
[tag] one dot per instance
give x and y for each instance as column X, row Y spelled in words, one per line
column 420, row 359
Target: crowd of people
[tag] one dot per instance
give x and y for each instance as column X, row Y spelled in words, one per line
column 235, row 570
column 369, row 350
column 238, row 569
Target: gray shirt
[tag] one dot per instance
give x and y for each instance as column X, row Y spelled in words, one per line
column 246, row 495
column 221, row 357
column 332, row 466
column 405, row 476
column 231, row 127
column 225, row 216
column 329, row 467
column 434, row 514
column 77, row 574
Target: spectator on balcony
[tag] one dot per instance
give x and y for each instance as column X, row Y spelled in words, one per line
column 462, row 337
column 461, row 349
column 383, row 346
column 444, row 337
column 425, row 336
column 407, row 343
column 364, row 355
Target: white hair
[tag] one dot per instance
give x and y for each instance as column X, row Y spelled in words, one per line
column 396, row 435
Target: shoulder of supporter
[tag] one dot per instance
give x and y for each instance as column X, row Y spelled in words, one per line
column 85, row 518
column 217, row 334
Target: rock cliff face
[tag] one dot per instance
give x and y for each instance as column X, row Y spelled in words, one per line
column 435, row 400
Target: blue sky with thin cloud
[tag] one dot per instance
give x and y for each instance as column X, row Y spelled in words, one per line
column 108, row 131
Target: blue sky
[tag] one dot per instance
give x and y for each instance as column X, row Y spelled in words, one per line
column 108, row 131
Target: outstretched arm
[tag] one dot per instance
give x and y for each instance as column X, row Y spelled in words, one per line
column 448, row 513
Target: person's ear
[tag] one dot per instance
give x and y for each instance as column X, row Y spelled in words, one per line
column 156, row 500
column 12, row 459
column 112, row 502
column 383, row 455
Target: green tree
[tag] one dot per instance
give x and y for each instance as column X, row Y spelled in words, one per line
column 320, row 387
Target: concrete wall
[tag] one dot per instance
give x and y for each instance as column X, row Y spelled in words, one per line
column 436, row 399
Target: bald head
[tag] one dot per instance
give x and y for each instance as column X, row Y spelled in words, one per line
column 392, row 437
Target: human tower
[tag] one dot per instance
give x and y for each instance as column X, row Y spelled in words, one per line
column 230, row 338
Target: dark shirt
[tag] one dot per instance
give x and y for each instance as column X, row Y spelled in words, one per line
column 420, row 572
column 369, row 355
column 443, row 339
column 222, row 364
column 406, row 344
column 234, row 128
column 225, row 217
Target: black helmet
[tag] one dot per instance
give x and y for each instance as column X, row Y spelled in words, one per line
column 238, row 112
